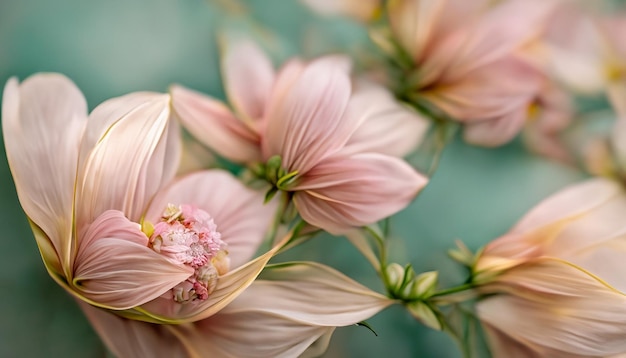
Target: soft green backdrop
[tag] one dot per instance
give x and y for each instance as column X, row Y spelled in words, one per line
column 113, row 47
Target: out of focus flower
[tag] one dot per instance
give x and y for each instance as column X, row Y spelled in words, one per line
column 363, row 10
column 459, row 59
column 549, row 116
column 333, row 148
column 112, row 226
column 553, row 284
column 584, row 48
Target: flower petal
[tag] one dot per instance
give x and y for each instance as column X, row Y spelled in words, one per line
column 497, row 34
column 239, row 212
column 304, row 117
column 243, row 64
column 573, row 201
column 564, row 308
column 344, row 192
column 284, row 313
column 130, row 338
column 115, row 268
column 489, row 92
column 213, row 124
column 387, row 126
column 136, row 152
column 43, row 120
column 497, row 131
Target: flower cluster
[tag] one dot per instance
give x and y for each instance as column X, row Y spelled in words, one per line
column 167, row 262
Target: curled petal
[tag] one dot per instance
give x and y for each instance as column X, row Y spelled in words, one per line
column 304, row 116
column 294, row 304
column 248, row 78
column 344, row 192
column 142, row 142
column 565, row 310
column 115, row 268
column 497, row 131
column 386, row 126
column 213, row 124
column 239, row 212
column 130, row 338
column 43, row 120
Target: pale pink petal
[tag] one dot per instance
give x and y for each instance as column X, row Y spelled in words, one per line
column 131, row 160
column 497, row 131
column 213, row 124
column 497, row 34
column 571, row 202
column 490, row 92
column 115, row 268
column 304, row 118
column 248, row 77
column 362, row 10
column 387, row 126
column 344, row 192
column 284, row 313
column 564, row 309
column 130, row 338
column 43, row 120
column 239, row 212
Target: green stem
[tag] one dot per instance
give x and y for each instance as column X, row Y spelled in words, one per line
column 457, row 289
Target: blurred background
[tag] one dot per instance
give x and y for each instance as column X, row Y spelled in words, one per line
column 113, row 47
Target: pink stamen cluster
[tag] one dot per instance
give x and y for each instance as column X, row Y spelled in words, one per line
column 187, row 235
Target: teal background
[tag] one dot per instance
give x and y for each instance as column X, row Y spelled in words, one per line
column 113, row 47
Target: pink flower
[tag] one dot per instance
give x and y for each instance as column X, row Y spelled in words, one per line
column 94, row 185
column 554, row 282
column 338, row 146
column 462, row 58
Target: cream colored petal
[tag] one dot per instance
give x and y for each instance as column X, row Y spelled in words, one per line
column 213, row 124
column 387, row 126
column 304, row 118
column 248, row 76
column 572, row 201
column 344, row 192
column 129, row 338
column 282, row 314
column 136, row 152
column 115, row 268
column 564, row 309
column 43, row 120
column 239, row 212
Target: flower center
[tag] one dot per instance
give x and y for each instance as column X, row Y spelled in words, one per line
column 188, row 236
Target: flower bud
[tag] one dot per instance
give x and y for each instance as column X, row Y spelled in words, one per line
column 425, row 314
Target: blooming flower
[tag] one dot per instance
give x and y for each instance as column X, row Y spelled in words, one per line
column 554, row 281
column 338, row 147
column 462, row 58
column 112, row 227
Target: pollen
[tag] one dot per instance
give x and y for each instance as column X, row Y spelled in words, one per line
column 188, row 236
